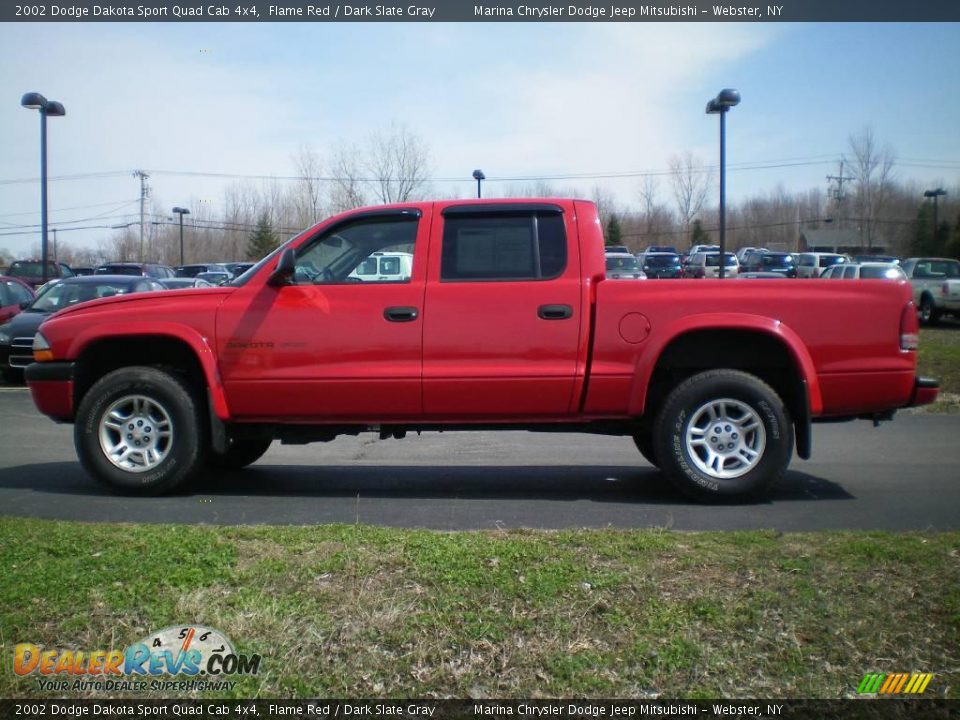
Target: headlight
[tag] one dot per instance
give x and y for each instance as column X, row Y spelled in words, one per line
column 41, row 349
column 5, row 336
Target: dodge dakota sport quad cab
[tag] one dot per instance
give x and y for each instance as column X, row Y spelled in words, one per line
column 506, row 321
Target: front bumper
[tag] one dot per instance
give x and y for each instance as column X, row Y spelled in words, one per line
column 925, row 391
column 51, row 385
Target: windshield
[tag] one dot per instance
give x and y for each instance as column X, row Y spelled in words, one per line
column 828, row 260
column 63, row 294
column 662, row 260
column 778, row 261
column 714, row 260
column 626, row 264
column 119, row 270
column 30, row 269
column 877, row 272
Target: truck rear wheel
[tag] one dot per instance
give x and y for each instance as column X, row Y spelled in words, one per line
column 139, row 430
column 929, row 314
column 723, row 434
column 644, row 443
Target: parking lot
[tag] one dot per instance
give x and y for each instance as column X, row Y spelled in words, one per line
column 900, row 476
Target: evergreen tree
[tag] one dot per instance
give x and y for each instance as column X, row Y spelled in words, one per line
column 953, row 247
column 614, row 233
column 699, row 236
column 262, row 242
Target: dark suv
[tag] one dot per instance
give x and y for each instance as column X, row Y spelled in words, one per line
column 31, row 271
column 782, row 263
column 153, row 270
column 197, row 268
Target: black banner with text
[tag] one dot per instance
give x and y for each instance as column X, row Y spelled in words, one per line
column 863, row 709
column 482, row 11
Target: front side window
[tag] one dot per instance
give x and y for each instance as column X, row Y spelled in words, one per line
column 503, row 246
column 350, row 252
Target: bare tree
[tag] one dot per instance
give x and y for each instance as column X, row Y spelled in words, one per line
column 691, row 182
column 398, row 162
column 656, row 219
column 307, row 194
column 347, row 190
column 872, row 170
column 606, row 203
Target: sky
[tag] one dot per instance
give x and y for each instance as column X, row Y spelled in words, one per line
column 515, row 99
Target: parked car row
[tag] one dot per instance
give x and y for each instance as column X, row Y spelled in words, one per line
column 31, row 271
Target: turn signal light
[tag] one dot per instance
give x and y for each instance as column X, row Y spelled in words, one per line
column 41, row 349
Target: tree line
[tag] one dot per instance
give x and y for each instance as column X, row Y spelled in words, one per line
column 869, row 202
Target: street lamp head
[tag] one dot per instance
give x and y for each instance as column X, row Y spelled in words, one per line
column 55, row 109
column 33, row 101
column 934, row 193
column 478, row 175
column 728, row 98
column 181, row 211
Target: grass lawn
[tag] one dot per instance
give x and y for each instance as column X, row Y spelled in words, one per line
column 360, row 611
column 939, row 357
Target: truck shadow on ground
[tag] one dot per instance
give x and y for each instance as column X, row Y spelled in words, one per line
column 614, row 484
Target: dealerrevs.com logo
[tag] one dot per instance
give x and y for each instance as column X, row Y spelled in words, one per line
column 203, row 656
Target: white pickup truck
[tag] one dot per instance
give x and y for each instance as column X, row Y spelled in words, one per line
column 936, row 287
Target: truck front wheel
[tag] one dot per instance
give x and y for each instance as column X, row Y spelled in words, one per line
column 723, row 434
column 140, row 430
column 245, row 449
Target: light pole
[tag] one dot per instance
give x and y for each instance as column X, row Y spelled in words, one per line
column 181, row 212
column 727, row 99
column 478, row 176
column 36, row 101
column 935, row 194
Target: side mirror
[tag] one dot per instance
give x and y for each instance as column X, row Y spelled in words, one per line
column 24, row 304
column 284, row 270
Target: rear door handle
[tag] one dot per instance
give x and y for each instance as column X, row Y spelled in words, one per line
column 400, row 314
column 555, row 312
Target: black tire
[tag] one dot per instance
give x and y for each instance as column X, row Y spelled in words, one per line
column 181, row 454
column 929, row 314
column 13, row 377
column 245, row 449
column 696, row 467
column 644, row 442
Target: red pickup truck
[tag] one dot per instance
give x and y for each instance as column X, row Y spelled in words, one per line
column 504, row 320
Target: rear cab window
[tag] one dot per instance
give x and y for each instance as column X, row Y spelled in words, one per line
column 508, row 244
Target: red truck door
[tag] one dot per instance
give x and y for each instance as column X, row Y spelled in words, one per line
column 503, row 316
column 331, row 346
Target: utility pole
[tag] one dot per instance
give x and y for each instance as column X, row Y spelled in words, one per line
column 144, row 194
column 54, row 231
column 838, row 195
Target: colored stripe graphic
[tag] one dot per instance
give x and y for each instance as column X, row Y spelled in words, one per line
column 895, row 684
column 870, row 683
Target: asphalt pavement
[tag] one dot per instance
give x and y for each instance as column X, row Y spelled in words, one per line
column 904, row 475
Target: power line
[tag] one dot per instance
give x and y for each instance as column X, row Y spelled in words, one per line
column 75, row 207
column 78, row 220
column 76, row 176
column 743, row 166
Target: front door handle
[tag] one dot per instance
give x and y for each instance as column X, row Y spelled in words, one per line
column 555, row 312
column 400, row 314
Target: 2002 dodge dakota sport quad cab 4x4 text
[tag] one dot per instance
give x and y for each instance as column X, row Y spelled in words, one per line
column 505, row 321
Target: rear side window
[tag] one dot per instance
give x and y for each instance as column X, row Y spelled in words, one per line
column 503, row 246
